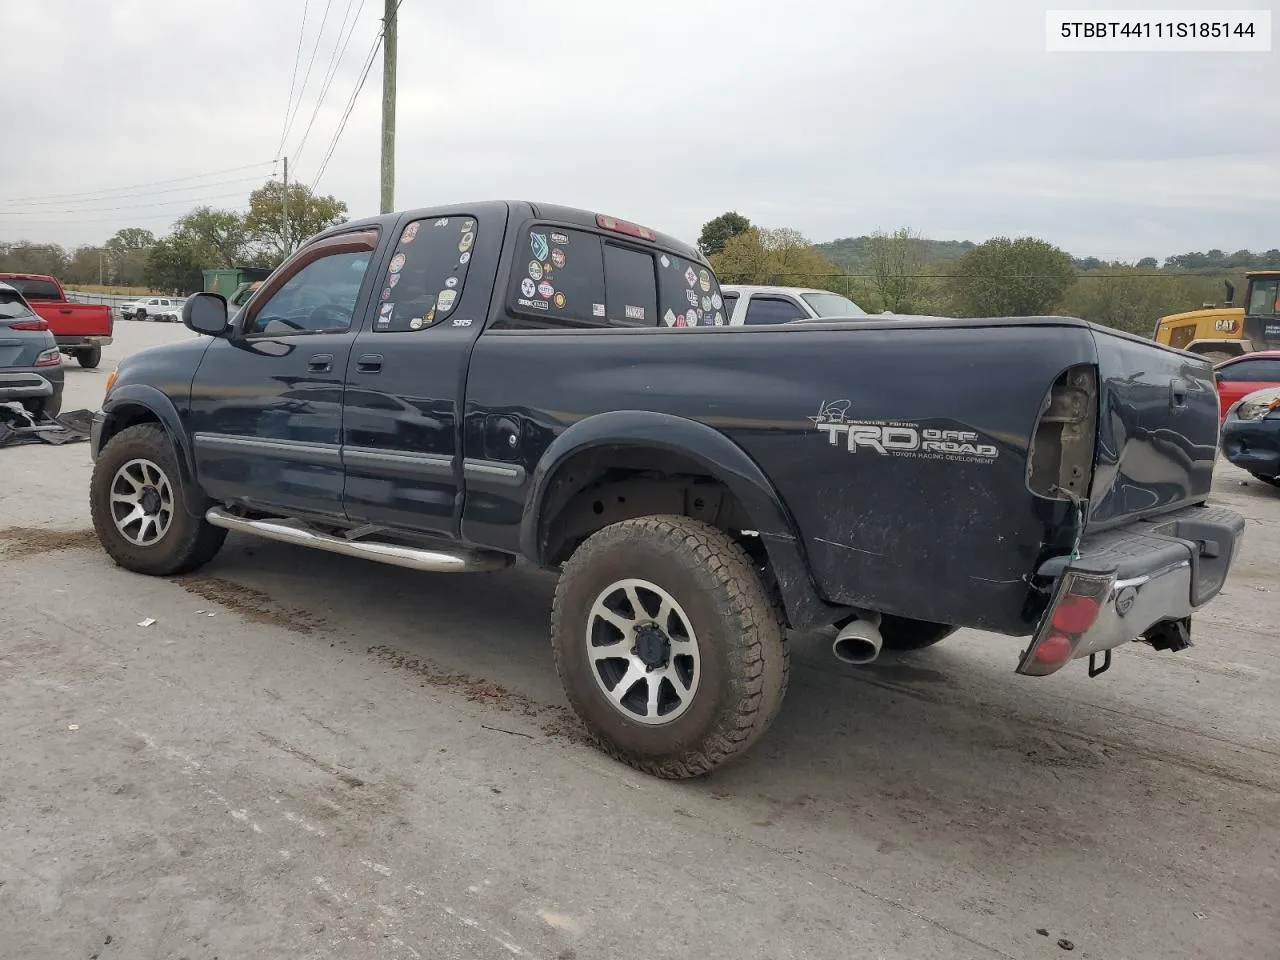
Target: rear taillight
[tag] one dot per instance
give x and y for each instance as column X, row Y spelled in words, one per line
column 30, row 325
column 1077, row 603
column 49, row 358
column 1061, row 459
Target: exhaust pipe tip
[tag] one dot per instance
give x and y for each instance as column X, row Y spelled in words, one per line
column 859, row 643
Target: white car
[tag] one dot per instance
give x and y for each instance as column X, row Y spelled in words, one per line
column 753, row 305
column 153, row 308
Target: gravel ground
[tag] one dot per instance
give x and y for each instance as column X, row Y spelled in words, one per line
column 312, row 756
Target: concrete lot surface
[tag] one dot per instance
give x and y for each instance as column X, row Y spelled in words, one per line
column 347, row 760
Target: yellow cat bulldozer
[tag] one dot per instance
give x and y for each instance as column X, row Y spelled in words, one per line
column 1220, row 333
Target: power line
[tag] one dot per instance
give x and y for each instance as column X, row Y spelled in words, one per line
column 297, row 57
column 351, row 102
column 148, row 193
column 90, row 194
column 302, row 91
column 196, row 201
column 334, row 62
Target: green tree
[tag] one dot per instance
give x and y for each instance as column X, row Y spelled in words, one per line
column 220, row 232
column 308, row 215
column 718, row 232
column 48, row 259
column 1011, row 278
column 87, row 265
column 896, row 271
column 1148, row 263
column 126, row 255
column 782, row 256
column 175, row 265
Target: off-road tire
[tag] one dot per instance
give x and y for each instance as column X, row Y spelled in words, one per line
column 44, row 408
column 740, row 635
column 189, row 542
column 89, row 358
column 139, row 314
column 902, row 635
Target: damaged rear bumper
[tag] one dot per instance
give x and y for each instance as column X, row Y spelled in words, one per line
column 1140, row 581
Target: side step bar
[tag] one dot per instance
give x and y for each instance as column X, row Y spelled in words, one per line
column 415, row 558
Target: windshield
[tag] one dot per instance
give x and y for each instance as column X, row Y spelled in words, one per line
column 36, row 289
column 11, row 306
column 1264, row 298
column 832, row 305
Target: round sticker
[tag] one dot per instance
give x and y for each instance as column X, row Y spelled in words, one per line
column 691, row 318
column 451, row 282
column 528, row 287
column 416, row 323
column 546, row 290
column 558, row 258
column 397, row 263
column 446, row 299
column 465, row 243
column 706, row 303
column 716, row 301
column 559, row 300
column 393, row 280
column 410, row 232
column 386, row 293
column 535, row 269
column 464, row 258
column 704, row 280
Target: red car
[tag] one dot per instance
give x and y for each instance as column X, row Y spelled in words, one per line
column 1240, row 376
column 80, row 329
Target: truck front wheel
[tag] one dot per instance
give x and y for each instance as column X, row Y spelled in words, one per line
column 90, row 357
column 668, row 645
column 135, row 498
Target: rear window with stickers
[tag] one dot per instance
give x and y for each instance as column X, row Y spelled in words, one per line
column 562, row 277
column 689, row 294
column 580, row 277
column 424, row 280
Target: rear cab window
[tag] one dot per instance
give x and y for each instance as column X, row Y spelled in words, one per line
column 424, row 280
column 35, row 289
column 575, row 277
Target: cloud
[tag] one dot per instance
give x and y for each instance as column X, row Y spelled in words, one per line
column 815, row 114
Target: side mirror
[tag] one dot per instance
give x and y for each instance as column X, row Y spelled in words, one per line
column 206, row 313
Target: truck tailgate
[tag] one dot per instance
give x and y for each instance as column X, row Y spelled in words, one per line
column 1157, row 429
column 75, row 319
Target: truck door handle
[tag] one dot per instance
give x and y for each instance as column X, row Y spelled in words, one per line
column 66, row 310
column 320, row 363
column 369, row 363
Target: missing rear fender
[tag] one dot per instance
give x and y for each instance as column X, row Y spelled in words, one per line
column 1060, row 464
column 623, row 495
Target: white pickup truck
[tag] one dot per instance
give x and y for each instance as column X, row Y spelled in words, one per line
column 154, row 308
column 754, row 305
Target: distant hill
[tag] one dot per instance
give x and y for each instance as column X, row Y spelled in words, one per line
column 852, row 254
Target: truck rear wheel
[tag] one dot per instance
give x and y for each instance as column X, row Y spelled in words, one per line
column 135, row 498
column 669, row 647
column 89, row 358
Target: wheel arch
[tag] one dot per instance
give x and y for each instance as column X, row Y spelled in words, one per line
column 660, row 463
column 132, row 405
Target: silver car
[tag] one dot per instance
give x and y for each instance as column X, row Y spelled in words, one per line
column 30, row 363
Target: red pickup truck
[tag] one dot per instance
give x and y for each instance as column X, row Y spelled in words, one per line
column 80, row 329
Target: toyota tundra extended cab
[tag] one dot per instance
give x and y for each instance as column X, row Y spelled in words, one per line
column 454, row 388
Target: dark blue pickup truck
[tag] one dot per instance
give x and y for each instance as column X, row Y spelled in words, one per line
column 451, row 389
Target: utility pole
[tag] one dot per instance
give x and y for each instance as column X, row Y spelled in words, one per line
column 389, row 105
column 288, row 247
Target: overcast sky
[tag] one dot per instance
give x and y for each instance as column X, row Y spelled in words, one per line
column 835, row 117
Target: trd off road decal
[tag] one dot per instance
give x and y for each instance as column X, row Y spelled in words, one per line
column 900, row 438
